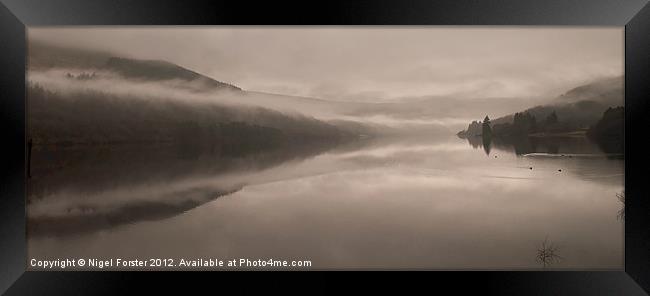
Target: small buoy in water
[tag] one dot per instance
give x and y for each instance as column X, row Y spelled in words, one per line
column 559, row 170
column 531, row 168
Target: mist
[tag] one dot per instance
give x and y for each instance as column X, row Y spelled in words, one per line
column 195, row 94
column 371, row 64
column 345, row 146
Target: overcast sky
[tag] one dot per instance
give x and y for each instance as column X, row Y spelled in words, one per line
column 371, row 63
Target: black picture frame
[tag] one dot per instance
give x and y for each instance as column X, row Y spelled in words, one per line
column 16, row 15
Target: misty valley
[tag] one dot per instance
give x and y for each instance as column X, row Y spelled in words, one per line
column 137, row 159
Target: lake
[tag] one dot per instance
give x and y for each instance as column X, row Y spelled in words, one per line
column 408, row 203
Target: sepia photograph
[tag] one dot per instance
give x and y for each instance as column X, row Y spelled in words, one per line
column 325, row 148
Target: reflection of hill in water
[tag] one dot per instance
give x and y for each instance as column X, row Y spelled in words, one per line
column 94, row 169
column 550, row 145
column 93, row 188
column 83, row 219
column 577, row 155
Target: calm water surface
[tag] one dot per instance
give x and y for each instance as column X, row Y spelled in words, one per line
column 439, row 203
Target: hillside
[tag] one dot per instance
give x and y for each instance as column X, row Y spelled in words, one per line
column 92, row 117
column 608, row 91
column 42, row 57
column 88, row 97
column 577, row 109
column 153, row 70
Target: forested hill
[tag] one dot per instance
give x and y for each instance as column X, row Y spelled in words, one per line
column 576, row 110
column 161, row 70
column 84, row 97
column 43, row 56
column 93, row 117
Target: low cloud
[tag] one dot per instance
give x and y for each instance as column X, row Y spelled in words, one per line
column 348, row 63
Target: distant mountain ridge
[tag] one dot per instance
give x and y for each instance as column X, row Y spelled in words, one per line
column 160, row 70
column 47, row 56
column 607, row 91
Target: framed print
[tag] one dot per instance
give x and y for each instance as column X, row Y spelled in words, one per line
column 471, row 142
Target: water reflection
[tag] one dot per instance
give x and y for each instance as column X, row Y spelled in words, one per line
column 73, row 191
column 79, row 218
column 487, row 144
column 377, row 203
column 551, row 145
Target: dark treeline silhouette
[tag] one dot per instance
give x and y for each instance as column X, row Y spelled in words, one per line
column 486, row 129
column 474, row 129
column 581, row 112
column 570, row 114
column 525, row 132
column 516, row 134
column 532, row 144
column 525, row 123
column 608, row 132
column 486, row 134
column 577, row 109
column 82, row 76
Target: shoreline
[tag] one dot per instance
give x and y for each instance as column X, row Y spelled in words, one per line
column 577, row 134
column 571, row 134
